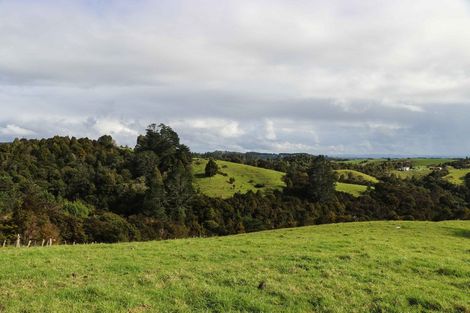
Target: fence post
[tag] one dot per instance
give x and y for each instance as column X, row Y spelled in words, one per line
column 4, row 243
column 18, row 241
column 29, row 243
column 43, row 242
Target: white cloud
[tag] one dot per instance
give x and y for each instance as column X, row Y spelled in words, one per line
column 114, row 127
column 238, row 72
column 14, row 130
column 270, row 130
column 219, row 127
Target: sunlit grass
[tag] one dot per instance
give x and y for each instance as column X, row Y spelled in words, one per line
column 245, row 178
column 355, row 267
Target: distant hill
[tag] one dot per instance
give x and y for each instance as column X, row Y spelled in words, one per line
column 254, row 178
column 356, row 175
column 245, row 178
column 456, row 176
column 353, row 189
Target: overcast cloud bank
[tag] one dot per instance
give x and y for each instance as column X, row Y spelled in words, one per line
column 337, row 77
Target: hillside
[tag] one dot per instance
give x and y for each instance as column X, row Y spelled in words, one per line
column 353, row 189
column 354, row 267
column 456, row 176
column 356, row 175
column 252, row 178
column 246, row 178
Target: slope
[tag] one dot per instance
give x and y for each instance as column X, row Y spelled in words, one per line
column 354, row 267
column 245, row 178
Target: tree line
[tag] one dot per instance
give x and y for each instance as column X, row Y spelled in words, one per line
column 83, row 190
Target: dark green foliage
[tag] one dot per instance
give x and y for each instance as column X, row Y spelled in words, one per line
column 467, row 180
column 211, row 168
column 76, row 176
column 154, row 201
column 110, row 227
column 93, row 190
column 321, row 180
column 76, row 208
column 314, row 181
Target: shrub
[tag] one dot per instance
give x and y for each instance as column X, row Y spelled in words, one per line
column 110, row 227
column 211, row 168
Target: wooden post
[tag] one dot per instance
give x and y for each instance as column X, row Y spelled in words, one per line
column 18, row 241
column 29, row 243
column 4, row 243
column 43, row 242
column 50, row 242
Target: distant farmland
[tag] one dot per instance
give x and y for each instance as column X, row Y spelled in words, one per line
column 253, row 178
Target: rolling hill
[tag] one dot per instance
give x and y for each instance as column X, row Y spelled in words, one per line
column 253, row 178
column 246, row 178
column 355, row 267
column 353, row 189
column 456, row 175
column 358, row 176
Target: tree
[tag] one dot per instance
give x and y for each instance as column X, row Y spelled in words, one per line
column 179, row 191
column 110, row 227
column 165, row 143
column 155, row 196
column 211, row 168
column 321, row 180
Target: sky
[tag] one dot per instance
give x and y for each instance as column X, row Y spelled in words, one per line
column 323, row 77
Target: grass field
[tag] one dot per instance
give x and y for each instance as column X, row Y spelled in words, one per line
column 417, row 173
column 361, row 161
column 429, row 161
column 358, row 174
column 425, row 162
column 355, row 267
column 353, row 189
column 246, row 178
column 456, row 175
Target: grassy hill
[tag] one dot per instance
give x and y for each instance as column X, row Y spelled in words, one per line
column 358, row 175
column 353, row 189
column 246, row 178
column 417, row 173
column 251, row 178
column 425, row 162
column 355, row 267
column 456, row 175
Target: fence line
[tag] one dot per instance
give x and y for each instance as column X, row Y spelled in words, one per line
column 31, row 242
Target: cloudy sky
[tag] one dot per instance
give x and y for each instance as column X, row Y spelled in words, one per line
column 332, row 77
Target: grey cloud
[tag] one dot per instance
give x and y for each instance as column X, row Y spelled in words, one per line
column 312, row 76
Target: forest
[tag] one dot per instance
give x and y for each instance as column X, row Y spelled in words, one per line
column 83, row 190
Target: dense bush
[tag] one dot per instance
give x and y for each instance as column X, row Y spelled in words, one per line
column 82, row 190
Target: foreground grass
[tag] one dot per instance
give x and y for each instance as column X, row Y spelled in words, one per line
column 356, row 267
column 246, row 178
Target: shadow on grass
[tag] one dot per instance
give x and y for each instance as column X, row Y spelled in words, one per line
column 200, row 175
column 465, row 233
